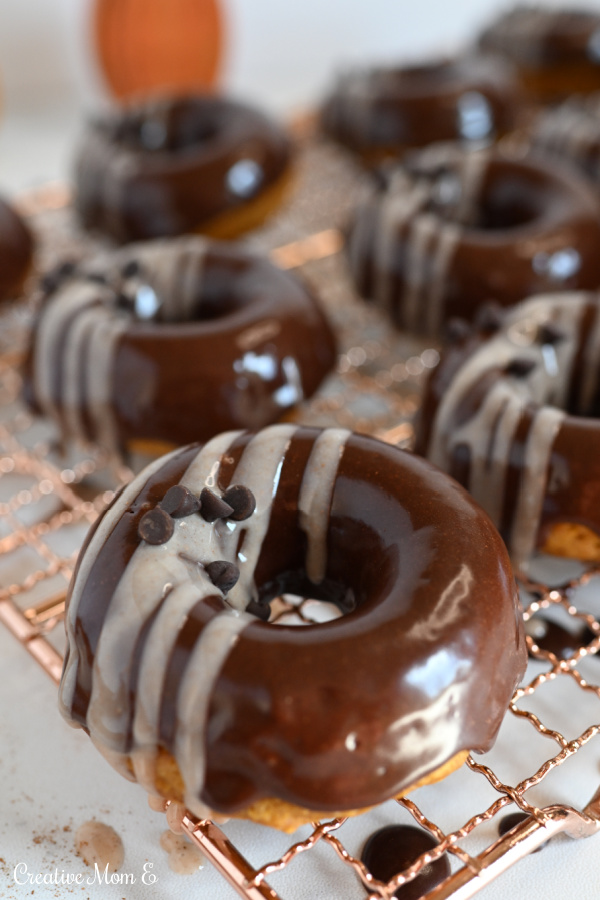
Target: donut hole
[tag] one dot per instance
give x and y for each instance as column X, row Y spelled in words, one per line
column 508, row 203
column 218, row 295
column 292, row 609
column 291, row 599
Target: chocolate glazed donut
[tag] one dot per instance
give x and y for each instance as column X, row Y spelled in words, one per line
column 379, row 113
column 208, row 704
column 171, row 165
column 172, row 341
column 452, row 230
column 16, row 251
column 556, row 51
column 507, row 413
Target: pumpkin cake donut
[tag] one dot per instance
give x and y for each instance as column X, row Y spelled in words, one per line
column 383, row 112
column 556, row 51
column 168, row 165
column 450, row 230
column 161, row 343
column 209, row 704
column 511, row 412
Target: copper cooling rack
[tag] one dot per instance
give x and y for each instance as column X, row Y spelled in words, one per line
column 49, row 498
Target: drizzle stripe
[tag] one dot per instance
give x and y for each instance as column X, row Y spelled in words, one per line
column 315, row 496
column 109, row 550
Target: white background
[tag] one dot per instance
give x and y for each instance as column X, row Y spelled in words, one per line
column 281, row 53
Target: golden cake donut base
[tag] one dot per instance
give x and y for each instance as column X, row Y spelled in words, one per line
column 279, row 813
column 573, row 541
column 231, row 223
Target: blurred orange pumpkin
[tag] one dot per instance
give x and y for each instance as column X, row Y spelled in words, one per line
column 145, row 45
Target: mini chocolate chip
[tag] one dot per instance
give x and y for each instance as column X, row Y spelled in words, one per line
column 258, row 609
column 97, row 277
column 66, row 268
column 131, row 269
column 156, row 526
column 212, row 507
column 520, row 367
column 507, row 823
column 549, row 333
column 489, row 317
column 179, row 502
column 393, row 848
column 49, row 283
column 457, row 331
column 52, row 279
column 124, row 302
column 242, row 501
column 224, row 575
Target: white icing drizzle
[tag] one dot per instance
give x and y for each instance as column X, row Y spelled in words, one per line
column 400, row 203
column 109, row 520
column 572, row 130
column 489, row 433
column 413, row 212
column 208, row 656
column 167, row 581
column 473, row 169
column 423, row 236
column 540, row 439
column 138, row 594
column 314, row 500
column 71, row 301
column 99, row 363
column 449, row 236
column 78, row 338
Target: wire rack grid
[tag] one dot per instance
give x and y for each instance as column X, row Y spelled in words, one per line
column 48, row 499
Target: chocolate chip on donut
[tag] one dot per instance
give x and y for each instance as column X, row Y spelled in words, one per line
column 214, row 507
column 179, row 502
column 156, row 526
column 241, row 500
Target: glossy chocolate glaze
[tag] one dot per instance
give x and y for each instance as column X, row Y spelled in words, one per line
column 450, row 231
column 16, row 251
column 394, row 848
column 382, row 112
column 557, row 398
column 435, row 635
column 170, row 165
column 233, row 342
column 556, row 51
